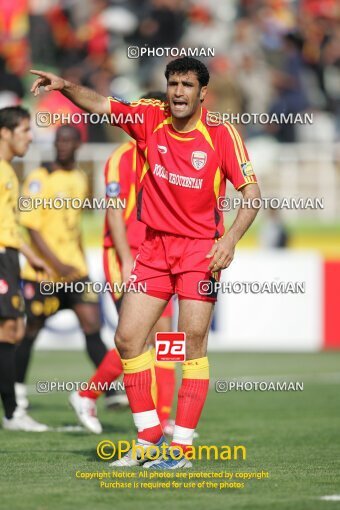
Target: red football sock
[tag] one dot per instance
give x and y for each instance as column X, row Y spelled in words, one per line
column 191, row 398
column 166, row 383
column 138, row 379
column 110, row 369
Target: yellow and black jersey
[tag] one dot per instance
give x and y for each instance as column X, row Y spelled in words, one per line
column 52, row 212
column 9, row 194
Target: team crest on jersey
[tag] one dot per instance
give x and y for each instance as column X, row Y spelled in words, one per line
column 247, row 169
column 9, row 185
column 198, row 159
column 113, row 189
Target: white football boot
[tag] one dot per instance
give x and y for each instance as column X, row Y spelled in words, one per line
column 131, row 460
column 22, row 421
column 86, row 411
column 175, row 460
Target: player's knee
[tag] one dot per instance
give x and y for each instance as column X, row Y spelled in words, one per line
column 194, row 335
column 195, row 344
column 118, row 340
column 122, row 342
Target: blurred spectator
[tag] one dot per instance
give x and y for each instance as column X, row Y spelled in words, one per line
column 93, row 34
column 271, row 56
column 290, row 91
column 161, row 25
column 11, row 88
column 14, row 26
column 273, row 233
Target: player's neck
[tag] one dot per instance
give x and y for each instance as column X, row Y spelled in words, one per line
column 187, row 124
column 65, row 165
column 5, row 152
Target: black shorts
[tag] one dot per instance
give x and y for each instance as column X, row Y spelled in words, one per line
column 11, row 300
column 42, row 299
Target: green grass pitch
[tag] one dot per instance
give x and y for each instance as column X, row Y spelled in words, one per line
column 292, row 435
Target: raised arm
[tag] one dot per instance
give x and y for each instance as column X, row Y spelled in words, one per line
column 83, row 97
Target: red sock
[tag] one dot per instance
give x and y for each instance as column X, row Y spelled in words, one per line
column 166, row 383
column 138, row 376
column 191, row 398
column 110, row 368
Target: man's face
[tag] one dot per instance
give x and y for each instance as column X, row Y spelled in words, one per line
column 66, row 144
column 20, row 138
column 184, row 94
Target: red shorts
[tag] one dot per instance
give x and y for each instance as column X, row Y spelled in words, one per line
column 170, row 264
column 112, row 270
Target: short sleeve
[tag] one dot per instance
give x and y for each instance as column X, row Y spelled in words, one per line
column 236, row 165
column 135, row 117
column 117, row 171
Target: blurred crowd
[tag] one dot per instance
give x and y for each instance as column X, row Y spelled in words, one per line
column 274, row 56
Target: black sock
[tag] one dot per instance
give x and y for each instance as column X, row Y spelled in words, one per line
column 22, row 357
column 7, row 377
column 95, row 347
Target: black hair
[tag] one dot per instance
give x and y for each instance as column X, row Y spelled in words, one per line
column 157, row 94
column 186, row 64
column 11, row 116
column 74, row 129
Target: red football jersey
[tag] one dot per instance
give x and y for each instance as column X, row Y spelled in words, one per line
column 120, row 178
column 180, row 175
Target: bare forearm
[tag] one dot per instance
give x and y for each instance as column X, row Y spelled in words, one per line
column 222, row 252
column 85, row 98
column 246, row 214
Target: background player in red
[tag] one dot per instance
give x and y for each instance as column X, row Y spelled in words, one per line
column 183, row 163
column 123, row 234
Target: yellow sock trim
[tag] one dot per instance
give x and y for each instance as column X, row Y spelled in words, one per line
column 196, row 368
column 170, row 365
column 138, row 364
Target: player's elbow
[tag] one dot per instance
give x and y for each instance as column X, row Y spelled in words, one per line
column 251, row 191
column 252, row 196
